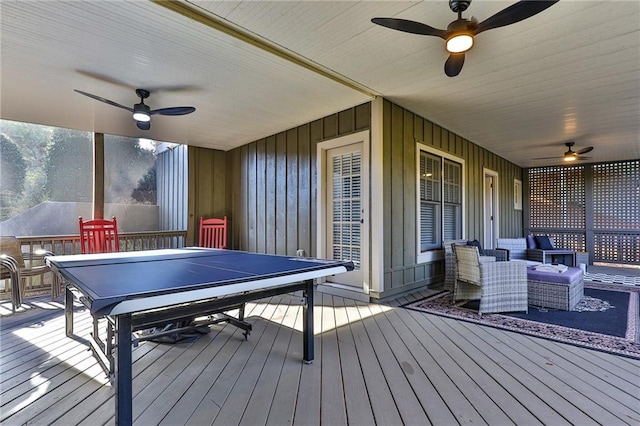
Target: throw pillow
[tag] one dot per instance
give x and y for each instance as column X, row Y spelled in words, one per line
column 544, row 242
column 475, row 243
column 531, row 242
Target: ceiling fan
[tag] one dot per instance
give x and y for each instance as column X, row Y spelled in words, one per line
column 459, row 34
column 141, row 111
column 571, row 155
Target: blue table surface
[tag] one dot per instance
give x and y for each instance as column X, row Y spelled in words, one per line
column 153, row 274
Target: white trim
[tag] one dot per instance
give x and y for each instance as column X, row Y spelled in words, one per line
column 496, row 201
column 377, row 197
column 432, row 255
column 321, row 201
column 344, row 291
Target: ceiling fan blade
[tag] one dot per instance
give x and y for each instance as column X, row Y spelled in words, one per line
column 143, row 125
column 583, row 158
column 410, row 27
column 184, row 110
column 584, row 150
column 101, row 99
column 515, row 13
column 454, row 64
column 104, row 77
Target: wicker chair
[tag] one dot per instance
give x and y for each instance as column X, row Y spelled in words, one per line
column 13, row 267
column 450, row 260
column 500, row 286
column 516, row 249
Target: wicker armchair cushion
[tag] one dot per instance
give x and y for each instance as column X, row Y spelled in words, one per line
column 531, row 242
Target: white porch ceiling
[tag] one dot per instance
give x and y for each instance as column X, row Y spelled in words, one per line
column 570, row 73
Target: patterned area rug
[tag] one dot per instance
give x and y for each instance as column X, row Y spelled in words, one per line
column 597, row 311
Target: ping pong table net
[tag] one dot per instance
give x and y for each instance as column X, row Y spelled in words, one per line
column 99, row 236
column 213, row 233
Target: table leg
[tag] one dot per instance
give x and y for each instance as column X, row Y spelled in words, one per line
column 68, row 311
column 124, row 372
column 307, row 324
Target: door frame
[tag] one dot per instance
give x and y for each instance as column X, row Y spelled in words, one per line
column 495, row 200
column 321, row 204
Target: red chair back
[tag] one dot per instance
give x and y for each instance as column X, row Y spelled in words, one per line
column 99, row 236
column 213, row 233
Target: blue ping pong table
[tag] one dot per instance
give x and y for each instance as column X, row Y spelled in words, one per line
column 136, row 290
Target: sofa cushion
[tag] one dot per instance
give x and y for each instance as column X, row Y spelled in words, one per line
column 569, row 276
column 544, row 242
column 531, row 242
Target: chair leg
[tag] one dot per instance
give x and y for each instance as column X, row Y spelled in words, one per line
column 16, row 293
column 55, row 286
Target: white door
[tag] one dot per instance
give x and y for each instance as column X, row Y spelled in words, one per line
column 346, row 200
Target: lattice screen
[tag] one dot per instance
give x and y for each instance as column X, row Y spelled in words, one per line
column 616, row 195
column 558, row 200
column 616, row 205
column 557, row 197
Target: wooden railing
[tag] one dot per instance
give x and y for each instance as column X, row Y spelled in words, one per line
column 70, row 244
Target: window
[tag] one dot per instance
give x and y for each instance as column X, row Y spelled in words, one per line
column 440, row 200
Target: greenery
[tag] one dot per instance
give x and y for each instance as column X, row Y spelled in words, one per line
column 41, row 163
column 12, row 175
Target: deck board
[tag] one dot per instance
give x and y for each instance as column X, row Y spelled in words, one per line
column 374, row 364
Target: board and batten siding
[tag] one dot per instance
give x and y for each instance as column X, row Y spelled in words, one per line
column 274, row 185
column 208, row 177
column 402, row 129
column 268, row 188
column 172, row 172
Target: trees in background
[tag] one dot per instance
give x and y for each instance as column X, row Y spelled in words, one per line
column 12, row 176
column 41, row 163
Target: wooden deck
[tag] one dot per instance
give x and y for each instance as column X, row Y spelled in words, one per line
column 374, row 365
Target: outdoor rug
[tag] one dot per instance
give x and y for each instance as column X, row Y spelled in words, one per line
column 606, row 319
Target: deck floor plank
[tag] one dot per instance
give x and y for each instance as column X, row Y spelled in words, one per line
column 261, row 396
column 220, row 349
column 222, row 385
column 235, row 403
column 489, row 384
column 383, row 403
column 374, row 364
column 566, row 399
column 391, row 358
column 418, row 368
column 611, row 403
column 333, row 411
column 358, row 406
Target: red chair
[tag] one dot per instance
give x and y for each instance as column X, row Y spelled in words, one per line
column 213, row 233
column 99, row 236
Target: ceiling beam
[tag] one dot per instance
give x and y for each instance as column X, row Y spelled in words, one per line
column 219, row 24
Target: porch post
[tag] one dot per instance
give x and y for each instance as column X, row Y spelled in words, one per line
column 98, row 176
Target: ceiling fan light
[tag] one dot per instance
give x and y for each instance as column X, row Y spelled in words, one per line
column 141, row 112
column 459, row 42
column 570, row 156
